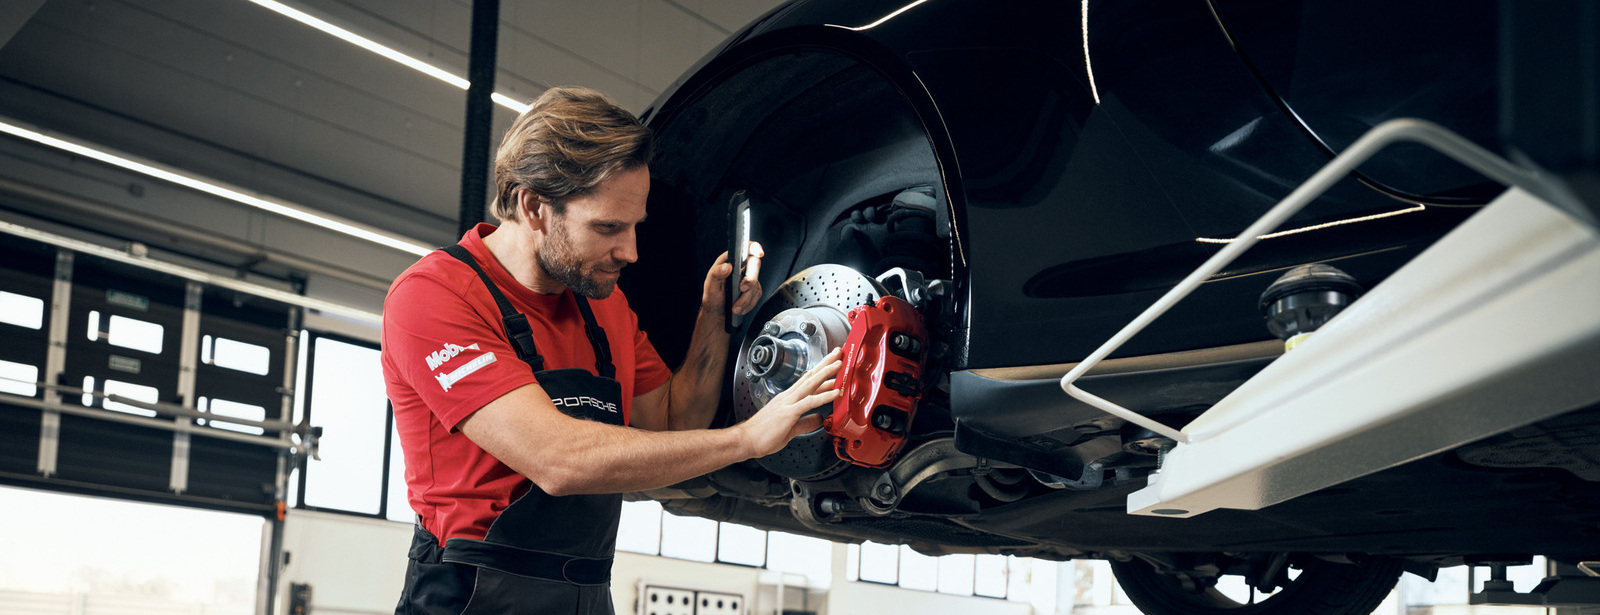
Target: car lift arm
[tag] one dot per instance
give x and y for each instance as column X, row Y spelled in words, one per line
column 1493, row 327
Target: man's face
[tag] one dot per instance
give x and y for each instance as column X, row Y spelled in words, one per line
column 586, row 247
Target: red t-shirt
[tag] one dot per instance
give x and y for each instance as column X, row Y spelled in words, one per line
column 445, row 355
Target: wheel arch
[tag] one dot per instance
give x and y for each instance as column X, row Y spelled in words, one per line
column 707, row 132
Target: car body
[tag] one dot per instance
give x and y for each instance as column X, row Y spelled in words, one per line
column 1052, row 169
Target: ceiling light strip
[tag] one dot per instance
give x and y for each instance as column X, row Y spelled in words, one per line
column 363, row 42
column 383, row 50
column 189, row 181
column 220, row 281
column 510, row 103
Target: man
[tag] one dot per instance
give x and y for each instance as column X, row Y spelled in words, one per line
column 525, row 396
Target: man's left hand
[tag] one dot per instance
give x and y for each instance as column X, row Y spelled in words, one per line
column 712, row 299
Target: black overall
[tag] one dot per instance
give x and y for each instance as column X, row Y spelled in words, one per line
column 543, row 554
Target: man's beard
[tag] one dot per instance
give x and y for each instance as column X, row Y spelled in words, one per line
column 555, row 259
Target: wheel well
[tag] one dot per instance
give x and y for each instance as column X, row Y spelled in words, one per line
column 809, row 135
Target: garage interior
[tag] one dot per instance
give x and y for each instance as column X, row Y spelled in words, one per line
column 202, row 204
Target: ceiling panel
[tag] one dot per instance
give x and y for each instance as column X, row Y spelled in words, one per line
column 672, row 43
column 601, row 32
column 729, row 14
column 231, row 91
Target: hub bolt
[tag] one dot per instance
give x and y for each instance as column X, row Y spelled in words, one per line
column 761, row 355
column 808, row 328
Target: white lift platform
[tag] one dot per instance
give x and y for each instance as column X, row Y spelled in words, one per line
column 1494, row 327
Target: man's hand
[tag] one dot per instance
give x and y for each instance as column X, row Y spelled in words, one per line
column 712, row 298
column 783, row 418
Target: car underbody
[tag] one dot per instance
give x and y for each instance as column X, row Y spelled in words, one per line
column 1027, row 223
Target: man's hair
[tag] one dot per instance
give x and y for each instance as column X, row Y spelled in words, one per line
column 565, row 145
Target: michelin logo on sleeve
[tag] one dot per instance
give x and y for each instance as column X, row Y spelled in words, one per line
column 448, row 380
column 438, row 358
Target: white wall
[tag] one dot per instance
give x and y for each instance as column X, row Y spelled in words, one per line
column 852, row 598
column 354, row 564
column 631, row 568
column 357, row 565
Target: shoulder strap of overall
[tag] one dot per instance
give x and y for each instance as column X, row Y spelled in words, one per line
column 597, row 338
column 515, row 322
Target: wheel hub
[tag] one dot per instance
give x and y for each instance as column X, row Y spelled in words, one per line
column 789, row 344
column 799, row 324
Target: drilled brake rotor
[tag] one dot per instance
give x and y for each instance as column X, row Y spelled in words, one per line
column 802, row 320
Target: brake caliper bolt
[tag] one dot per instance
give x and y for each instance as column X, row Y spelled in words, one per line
column 885, row 492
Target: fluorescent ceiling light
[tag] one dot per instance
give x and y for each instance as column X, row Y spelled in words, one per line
column 208, row 187
column 385, row 51
column 220, row 281
column 509, row 103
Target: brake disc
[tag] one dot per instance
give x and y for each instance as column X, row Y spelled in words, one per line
column 802, row 321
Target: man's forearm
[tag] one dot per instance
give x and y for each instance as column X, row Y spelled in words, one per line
column 566, row 455
column 620, row 460
column 696, row 388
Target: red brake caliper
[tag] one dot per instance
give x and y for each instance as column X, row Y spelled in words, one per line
column 879, row 383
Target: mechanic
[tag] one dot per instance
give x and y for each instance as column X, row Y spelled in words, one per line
column 525, row 396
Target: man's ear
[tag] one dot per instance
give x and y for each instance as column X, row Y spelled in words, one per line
column 528, row 205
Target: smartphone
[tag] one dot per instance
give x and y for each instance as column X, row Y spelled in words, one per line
column 738, row 253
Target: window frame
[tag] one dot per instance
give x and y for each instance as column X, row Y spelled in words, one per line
column 308, row 340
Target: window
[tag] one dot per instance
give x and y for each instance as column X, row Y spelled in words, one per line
column 879, row 563
column 639, row 531
column 151, row 559
column 957, row 574
column 1019, row 573
column 918, row 571
column 21, row 310
column 646, row 528
column 234, row 354
column 346, row 398
column 223, row 407
column 691, row 538
column 128, row 332
column 741, row 544
column 399, row 503
column 19, row 378
column 362, row 469
column 88, row 391
column 812, row 557
column 136, row 392
column 990, row 576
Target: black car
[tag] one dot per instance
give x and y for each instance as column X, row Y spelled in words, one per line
column 1028, row 177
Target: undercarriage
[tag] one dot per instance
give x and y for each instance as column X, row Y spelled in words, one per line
column 946, row 486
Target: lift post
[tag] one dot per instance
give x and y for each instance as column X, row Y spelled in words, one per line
column 1570, row 590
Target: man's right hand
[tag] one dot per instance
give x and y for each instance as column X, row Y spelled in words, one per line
column 783, row 418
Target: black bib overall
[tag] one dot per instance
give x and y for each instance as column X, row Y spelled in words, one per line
column 543, row 554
